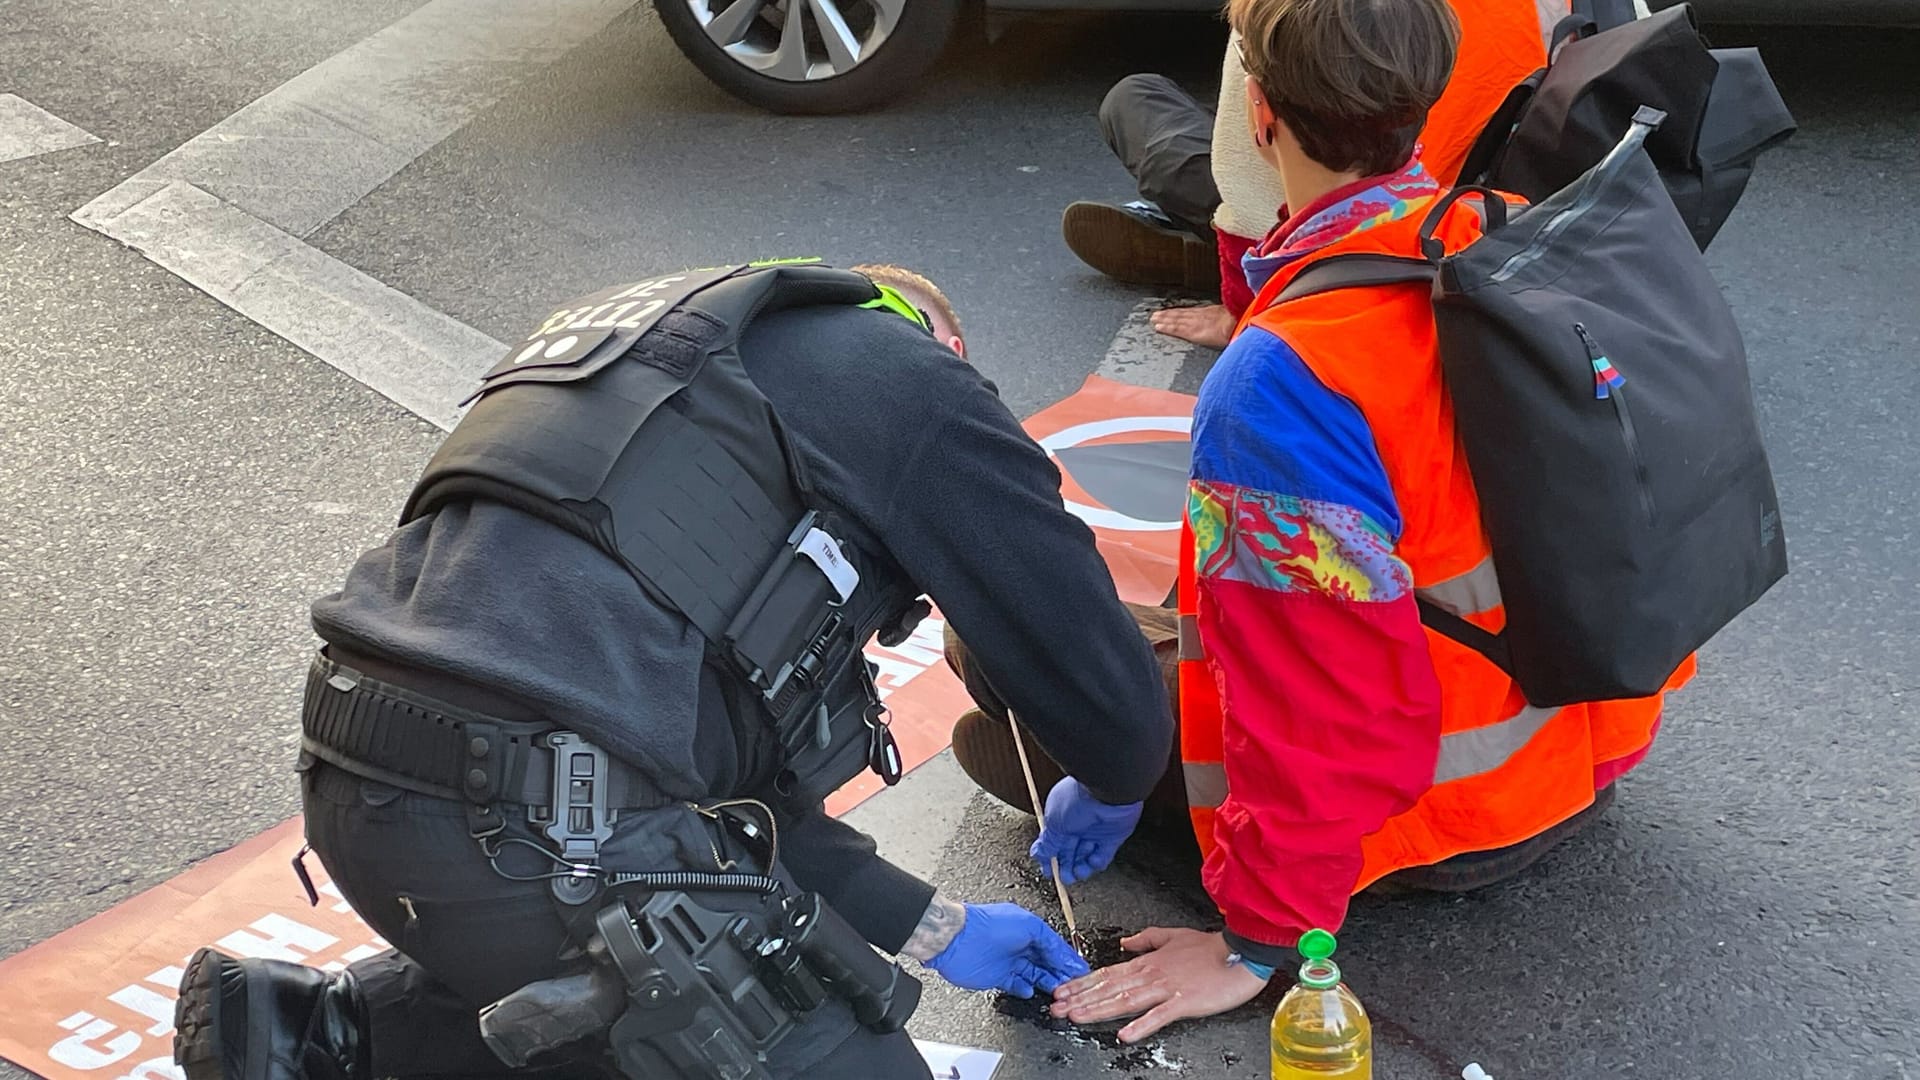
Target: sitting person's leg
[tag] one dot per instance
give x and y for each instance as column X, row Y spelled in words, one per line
column 983, row 737
column 1163, row 137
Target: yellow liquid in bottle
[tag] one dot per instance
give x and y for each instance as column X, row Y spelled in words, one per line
column 1321, row 1035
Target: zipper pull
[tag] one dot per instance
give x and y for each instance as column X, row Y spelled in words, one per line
column 1606, row 377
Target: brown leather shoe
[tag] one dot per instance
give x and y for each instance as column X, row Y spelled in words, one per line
column 1139, row 243
column 984, row 748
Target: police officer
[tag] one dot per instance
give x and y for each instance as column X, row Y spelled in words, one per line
column 567, row 742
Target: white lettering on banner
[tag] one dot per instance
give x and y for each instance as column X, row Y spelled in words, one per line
column 283, row 939
column 355, row 955
column 77, row 1052
column 160, row 1068
column 895, row 671
column 97, row 1043
column 901, row 664
column 148, row 1004
column 927, row 645
column 168, row 977
column 330, row 889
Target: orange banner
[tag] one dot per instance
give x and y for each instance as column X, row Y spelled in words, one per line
column 97, row 1000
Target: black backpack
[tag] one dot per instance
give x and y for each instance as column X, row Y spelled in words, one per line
column 1722, row 109
column 1600, row 389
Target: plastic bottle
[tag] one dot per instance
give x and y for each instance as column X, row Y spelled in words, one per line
column 1320, row 1032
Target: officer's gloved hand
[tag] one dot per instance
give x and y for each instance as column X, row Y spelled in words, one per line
column 1006, row 947
column 1081, row 831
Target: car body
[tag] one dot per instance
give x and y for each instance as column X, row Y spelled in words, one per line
column 846, row 55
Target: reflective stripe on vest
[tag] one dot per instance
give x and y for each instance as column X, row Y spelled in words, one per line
column 1473, row 593
column 1462, row 754
column 1206, row 783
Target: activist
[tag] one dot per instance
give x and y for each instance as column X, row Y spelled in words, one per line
column 1329, row 742
column 567, row 742
column 1205, row 194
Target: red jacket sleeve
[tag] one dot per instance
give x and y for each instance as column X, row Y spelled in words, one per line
column 1330, row 707
column 1331, row 725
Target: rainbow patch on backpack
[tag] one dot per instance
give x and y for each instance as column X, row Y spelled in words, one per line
column 1606, row 378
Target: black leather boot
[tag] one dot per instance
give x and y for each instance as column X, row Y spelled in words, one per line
column 268, row 1020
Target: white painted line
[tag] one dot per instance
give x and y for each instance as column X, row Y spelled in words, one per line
column 323, row 140
column 1142, row 355
column 27, row 130
column 225, row 210
column 413, row 354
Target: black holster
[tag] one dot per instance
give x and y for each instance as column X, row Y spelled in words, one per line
column 711, row 992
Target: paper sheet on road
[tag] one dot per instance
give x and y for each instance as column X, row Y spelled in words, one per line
column 949, row 1062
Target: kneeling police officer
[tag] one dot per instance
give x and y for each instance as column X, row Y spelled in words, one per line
column 567, row 743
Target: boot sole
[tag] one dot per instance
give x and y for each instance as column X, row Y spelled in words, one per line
column 196, row 1019
column 1125, row 248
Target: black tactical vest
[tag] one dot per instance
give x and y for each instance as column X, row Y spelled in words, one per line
column 648, row 439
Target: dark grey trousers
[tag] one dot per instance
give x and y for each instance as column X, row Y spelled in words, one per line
column 1165, row 139
column 465, row 937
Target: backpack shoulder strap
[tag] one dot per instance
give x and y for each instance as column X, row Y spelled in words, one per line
column 1355, row 272
column 1360, row 271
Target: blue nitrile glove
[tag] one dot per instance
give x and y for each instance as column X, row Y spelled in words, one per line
column 1006, row 947
column 1082, row 832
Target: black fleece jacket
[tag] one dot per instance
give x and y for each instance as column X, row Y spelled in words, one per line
column 936, row 485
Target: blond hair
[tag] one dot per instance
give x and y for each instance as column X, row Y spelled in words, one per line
column 917, row 288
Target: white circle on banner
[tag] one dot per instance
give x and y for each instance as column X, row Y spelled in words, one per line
column 561, row 347
column 527, row 353
column 1100, row 429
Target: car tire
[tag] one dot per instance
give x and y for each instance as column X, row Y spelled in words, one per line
column 763, row 67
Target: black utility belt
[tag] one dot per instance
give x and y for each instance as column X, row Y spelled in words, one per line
column 396, row 736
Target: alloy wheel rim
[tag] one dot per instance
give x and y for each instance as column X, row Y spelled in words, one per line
column 828, row 38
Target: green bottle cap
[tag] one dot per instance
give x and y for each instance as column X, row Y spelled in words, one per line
column 1319, row 972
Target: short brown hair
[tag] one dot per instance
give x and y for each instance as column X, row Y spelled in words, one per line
column 1352, row 79
column 916, row 287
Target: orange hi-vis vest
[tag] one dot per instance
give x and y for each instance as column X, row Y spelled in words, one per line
column 1506, row 770
column 1500, row 45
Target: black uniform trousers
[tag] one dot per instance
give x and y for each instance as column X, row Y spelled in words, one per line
column 464, row 936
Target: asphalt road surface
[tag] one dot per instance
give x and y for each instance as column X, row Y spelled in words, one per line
column 177, row 481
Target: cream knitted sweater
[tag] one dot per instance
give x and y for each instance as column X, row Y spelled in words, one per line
column 1250, row 191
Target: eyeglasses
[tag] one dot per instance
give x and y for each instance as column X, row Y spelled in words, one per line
column 1240, row 50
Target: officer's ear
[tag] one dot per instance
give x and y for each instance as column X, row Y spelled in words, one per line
column 957, row 344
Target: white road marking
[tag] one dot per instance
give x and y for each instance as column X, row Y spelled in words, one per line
column 422, row 359
column 1142, row 355
column 324, row 139
column 27, row 130
column 225, row 210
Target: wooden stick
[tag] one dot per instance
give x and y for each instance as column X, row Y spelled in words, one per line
column 1040, row 815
